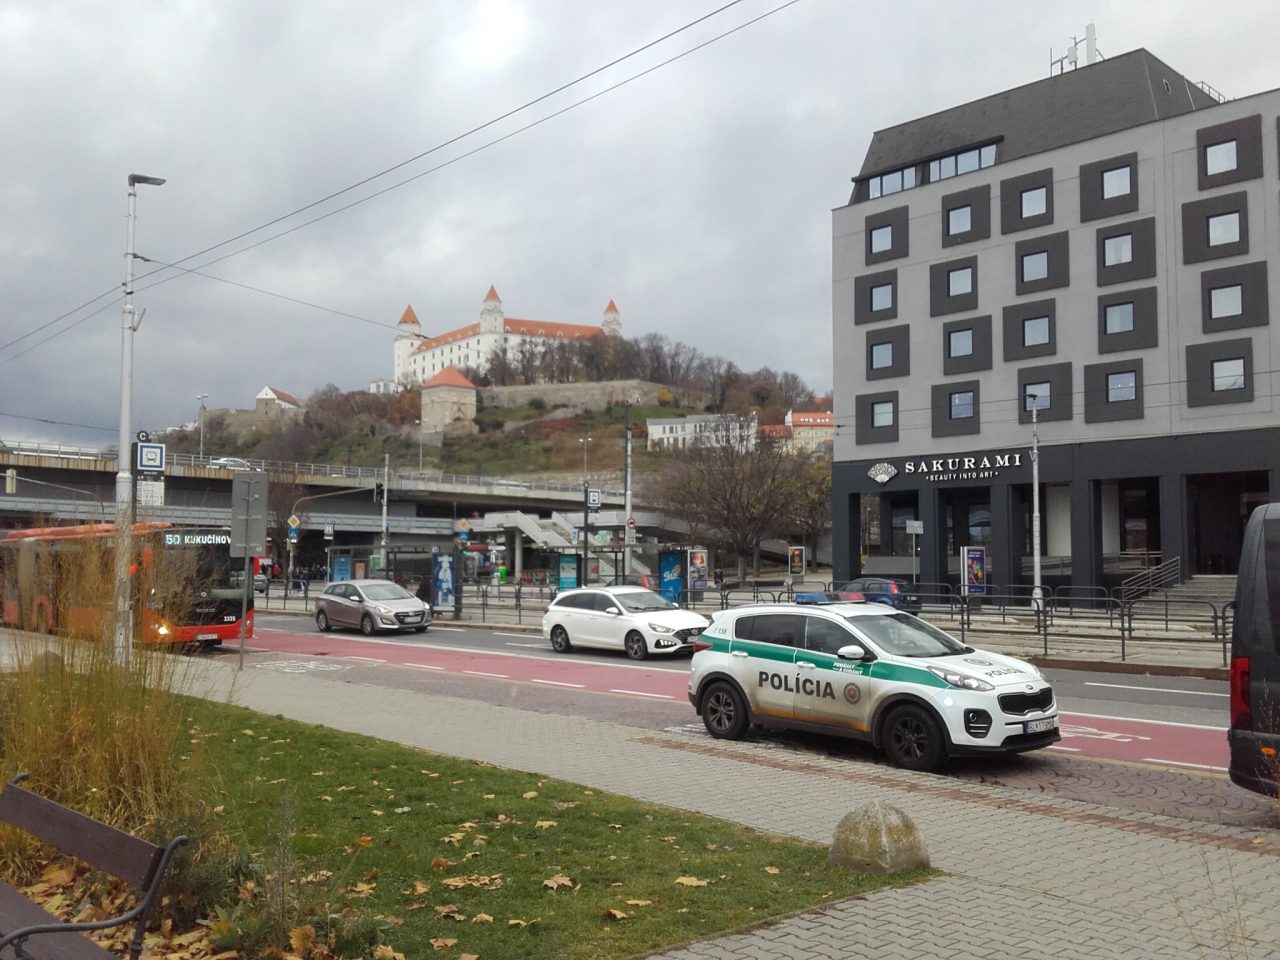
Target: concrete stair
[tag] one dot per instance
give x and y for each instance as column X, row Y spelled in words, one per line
column 1191, row 599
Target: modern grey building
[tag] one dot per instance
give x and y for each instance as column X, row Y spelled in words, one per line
column 1100, row 244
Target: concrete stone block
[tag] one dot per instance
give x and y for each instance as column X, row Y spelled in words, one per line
column 878, row 838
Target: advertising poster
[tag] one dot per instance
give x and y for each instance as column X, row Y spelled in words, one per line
column 973, row 560
column 444, row 581
column 795, row 561
column 568, row 573
column 671, row 574
column 698, row 572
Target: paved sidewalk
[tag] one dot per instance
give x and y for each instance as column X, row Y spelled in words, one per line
column 1025, row 877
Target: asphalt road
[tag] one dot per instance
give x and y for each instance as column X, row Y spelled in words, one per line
column 1156, row 744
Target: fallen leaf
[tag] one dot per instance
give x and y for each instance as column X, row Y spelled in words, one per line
column 489, row 796
column 558, row 881
column 545, row 824
column 468, row 956
column 482, row 918
column 691, row 882
column 565, row 804
column 419, row 887
column 325, row 798
column 449, row 912
column 639, row 903
column 616, row 826
column 401, row 810
column 376, row 813
column 384, row 952
column 529, row 795
column 442, row 943
column 668, row 839
column 773, row 870
column 302, row 939
column 523, row 923
column 440, row 863
column 364, row 841
column 361, row 889
column 612, row 914
column 247, row 733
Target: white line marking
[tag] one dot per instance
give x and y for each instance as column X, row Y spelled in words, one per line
column 1126, row 686
column 1067, row 749
column 449, row 629
column 424, row 666
column 550, row 655
column 543, row 645
column 478, row 673
column 1158, row 723
column 365, row 659
column 1176, row 763
column 519, row 636
column 641, row 693
column 557, row 683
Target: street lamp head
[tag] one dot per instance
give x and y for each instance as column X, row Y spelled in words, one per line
column 136, row 178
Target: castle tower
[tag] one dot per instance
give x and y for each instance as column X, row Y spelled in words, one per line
column 491, row 315
column 408, row 336
column 612, row 323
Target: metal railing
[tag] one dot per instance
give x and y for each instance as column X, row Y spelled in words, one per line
column 1159, row 576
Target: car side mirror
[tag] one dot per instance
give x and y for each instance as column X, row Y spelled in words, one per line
column 852, row 651
column 613, row 610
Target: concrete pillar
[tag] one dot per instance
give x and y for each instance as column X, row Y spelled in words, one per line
column 1086, row 533
column 1175, row 535
column 1001, row 554
column 846, row 533
column 932, row 563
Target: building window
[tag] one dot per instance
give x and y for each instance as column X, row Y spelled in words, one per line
column 1122, row 386
column 1035, row 266
column 1119, row 318
column 959, row 220
column 892, row 182
column 1224, row 228
column 960, row 343
column 1116, row 183
column 882, row 239
column 881, row 356
column 882, row 414
column 1220, row 158
column 1035, row 331
column 882, row 296
column 960, row 406
column 965, row 162
column 960, row 281
column 1035, row 202
column 1226, row 301
column 1036, row 396
column 1228, row 374
column 1117, row 250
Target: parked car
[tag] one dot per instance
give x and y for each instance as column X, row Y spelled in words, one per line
column 892, row 591
column 230, row 463
column 370, row 606
column 632, row 619
column 870, row 672
column 1253, row 736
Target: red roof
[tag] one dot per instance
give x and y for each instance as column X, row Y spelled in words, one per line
column 611, row 308
column 823, row 419
column 285, row 397
column 449, row 377
column 773, row 431
column 408, row 316
column 462, row 333
column 492, row 295
column 541, row 328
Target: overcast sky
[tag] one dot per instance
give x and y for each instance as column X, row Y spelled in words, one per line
column 698, row 196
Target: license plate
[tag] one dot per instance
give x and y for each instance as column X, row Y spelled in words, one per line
column 1042, row 726
column 206, row 636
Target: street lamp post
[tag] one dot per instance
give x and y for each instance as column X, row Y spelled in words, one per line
column 123, row 644
column 419, row 423
column 586, row 509
column 1037, row 591
column 202, row 397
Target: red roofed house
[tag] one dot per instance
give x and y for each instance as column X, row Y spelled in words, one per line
column 419, row 357
column 811, row 432
column 448, row 405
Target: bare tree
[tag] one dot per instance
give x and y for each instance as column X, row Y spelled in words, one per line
column 810, row 501
column 528, row 360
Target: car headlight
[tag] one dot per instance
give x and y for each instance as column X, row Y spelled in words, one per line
column 659, row 628
column 1032, row 668
column 381, row 609
column 961, row 680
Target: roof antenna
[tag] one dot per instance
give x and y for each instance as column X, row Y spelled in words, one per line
column 1072, row 56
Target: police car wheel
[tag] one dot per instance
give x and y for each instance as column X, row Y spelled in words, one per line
column 635, row 646
column 322, row 621
column 724, row 712
column 912, row 739
column 560, row 640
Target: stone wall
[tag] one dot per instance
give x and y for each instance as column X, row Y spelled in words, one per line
column 589, row 396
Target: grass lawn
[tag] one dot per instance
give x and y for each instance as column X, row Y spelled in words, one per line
column 469, row 859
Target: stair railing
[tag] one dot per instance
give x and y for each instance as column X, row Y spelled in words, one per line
column 1140, row 584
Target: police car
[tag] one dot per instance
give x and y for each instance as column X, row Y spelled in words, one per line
column 870, row 672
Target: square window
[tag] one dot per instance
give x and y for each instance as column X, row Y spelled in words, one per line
column 1035, row 331
column 1035, row 396
column 959, row 220
column 1116, row 183
column 1035, row 266
column 1035, row 201
column 881, row 356
column 961, row 405
column 1226, row 301
column 1117, row 250
column 882, row 239
column 1122, row 386
column 968, row 161
column 1228, row 374
column 882, row 297
column 882, row 414
column 1119, row 318
column 988, row 154
column 959, row 281
column 1220, row 157
column 960, row 343
column 891, row 182
column 1224, row 228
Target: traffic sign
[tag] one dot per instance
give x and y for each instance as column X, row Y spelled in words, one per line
column 293, row 533
column 294, row 522
column 328, row 531
column 630, row 540
column 150, row 457
column 631, row 523
column 593, row 498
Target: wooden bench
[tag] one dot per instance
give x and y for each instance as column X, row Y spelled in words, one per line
column 27, row 931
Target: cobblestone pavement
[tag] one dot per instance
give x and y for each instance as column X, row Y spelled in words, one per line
column 1027, row 874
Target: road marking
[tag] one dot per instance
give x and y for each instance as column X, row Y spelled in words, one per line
column 641, row 693
column 478, row 673
column 1158, row 723
column 522, row 644
column 424, row 666
column 449, row 629
column 558, row 683
column 1066, row 749
column 678, row 666
column 520, row 636
column 1176, row 763
column 365, row 659
column 1126, row 686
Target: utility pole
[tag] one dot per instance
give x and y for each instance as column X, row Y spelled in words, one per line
column 200, row 416
column 629, row 532
column 386, row 495
column 586, row 510
column 1037, row 592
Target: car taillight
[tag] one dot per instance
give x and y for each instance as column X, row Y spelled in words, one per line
column 893, row 587
column 1241, row 712
column 700, row 645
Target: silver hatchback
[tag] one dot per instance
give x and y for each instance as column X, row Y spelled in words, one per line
column 370, row 606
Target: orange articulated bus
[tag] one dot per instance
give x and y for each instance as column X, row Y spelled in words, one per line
column 186, row 590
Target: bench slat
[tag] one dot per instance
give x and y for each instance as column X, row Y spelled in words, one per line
column 17, row 911
column 104, row 847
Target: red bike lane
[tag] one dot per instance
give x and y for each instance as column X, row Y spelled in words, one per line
column 1166, row 744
